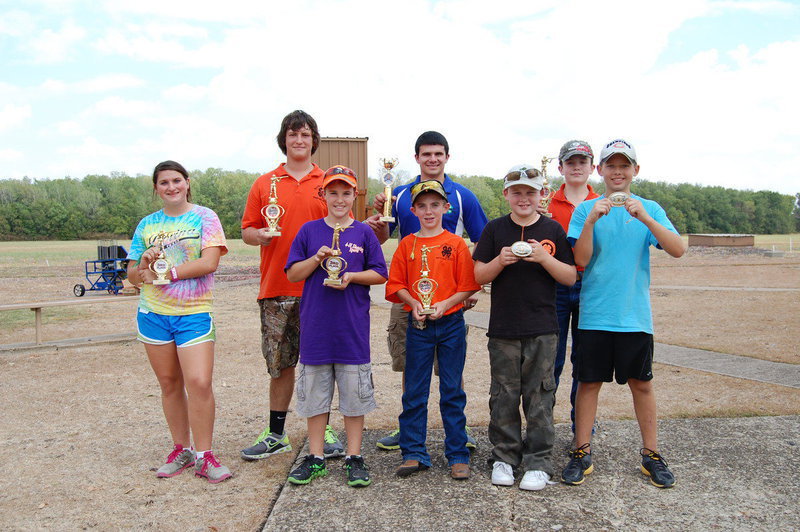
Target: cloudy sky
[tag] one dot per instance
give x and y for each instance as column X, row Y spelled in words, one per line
column 706, row 90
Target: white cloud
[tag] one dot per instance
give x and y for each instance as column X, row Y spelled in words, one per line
column 12, row 116
column 104, row 83
column 52, row 46
column 118, row 107
column 9, row 155
column 185, row 93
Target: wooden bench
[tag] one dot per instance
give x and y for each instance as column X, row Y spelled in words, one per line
column 37, row 309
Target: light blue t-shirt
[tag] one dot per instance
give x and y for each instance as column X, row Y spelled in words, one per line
column 615, row 295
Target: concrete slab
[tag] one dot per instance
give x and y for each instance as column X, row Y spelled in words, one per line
column 731, row 475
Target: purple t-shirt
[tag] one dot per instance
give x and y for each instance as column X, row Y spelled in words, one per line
column 334, row 324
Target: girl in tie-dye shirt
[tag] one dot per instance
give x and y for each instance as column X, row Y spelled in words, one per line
column 174, row 320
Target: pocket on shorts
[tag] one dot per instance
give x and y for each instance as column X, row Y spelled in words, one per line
column 366, row 388
column 300, row 387
column 549, row 384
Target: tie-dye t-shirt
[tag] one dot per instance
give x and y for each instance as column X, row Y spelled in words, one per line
column 187, row 236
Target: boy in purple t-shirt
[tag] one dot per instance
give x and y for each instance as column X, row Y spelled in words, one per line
column 334, row 324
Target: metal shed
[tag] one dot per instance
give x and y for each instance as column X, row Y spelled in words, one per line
column 350, row 152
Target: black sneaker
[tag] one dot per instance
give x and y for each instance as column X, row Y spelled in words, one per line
column 580, row 465
column 655, row 467
column 311, row 468
column 357, row 472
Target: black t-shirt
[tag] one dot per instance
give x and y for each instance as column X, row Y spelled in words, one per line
column 524, row 293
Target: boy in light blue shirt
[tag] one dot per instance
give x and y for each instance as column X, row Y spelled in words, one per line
column 612, row 236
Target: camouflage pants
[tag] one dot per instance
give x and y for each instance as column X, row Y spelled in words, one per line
column 523, row 368
column 280, row 332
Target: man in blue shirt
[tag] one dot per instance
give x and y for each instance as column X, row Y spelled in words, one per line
column 431, row 153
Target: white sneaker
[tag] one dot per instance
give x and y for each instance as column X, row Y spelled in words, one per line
column 502, row 474
column 534, row 481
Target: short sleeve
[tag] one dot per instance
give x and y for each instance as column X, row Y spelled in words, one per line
column 660, row 215
column 484, row 249
column 137, row 243
column 374, row 260
column 252, row 209
column 576, row 223
column 212, row 232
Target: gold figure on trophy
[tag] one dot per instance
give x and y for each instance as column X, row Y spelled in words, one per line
column 272, row 212
column 388, row 180
column 334, row 264
column 547, row 192
column 161, row 266
column 425, row 287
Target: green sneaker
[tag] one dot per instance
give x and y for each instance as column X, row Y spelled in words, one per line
column 390, row 442
column 471, row 443
column 357, row 472
column 311, row 468
column 266, row 445
column 332, row 447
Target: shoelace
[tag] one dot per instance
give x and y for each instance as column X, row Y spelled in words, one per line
column 174, row 454
column 654, row 456
column 580, row 452
column 210, row 459
column 262, row 436
column 330, row 437
column 357, row 463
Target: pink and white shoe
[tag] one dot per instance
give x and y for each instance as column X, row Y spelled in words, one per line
column 178, row 460
column 209, row 468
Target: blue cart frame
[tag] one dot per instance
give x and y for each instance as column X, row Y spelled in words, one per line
column 107, row 272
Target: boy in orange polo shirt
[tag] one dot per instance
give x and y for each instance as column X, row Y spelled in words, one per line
column 298, row 184
column 576, row 164
column 446, row 260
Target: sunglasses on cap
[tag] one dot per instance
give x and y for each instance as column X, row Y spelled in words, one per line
column 516, row 175
column 340, row 170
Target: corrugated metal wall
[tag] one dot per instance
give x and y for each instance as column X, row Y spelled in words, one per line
column 350, row 152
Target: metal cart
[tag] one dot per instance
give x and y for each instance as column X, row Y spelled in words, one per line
column 107, row 272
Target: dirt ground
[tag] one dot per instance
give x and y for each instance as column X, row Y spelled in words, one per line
column 84, row 429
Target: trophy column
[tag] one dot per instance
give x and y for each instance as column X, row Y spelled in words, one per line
column 388, row 180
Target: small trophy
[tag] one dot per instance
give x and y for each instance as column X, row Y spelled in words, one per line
column 521, row 248
column 388, row 180
column 425, row 287
column 161, row 266
column 334, row 264
column 618, row 199
column 272, row 212
column 547, row 192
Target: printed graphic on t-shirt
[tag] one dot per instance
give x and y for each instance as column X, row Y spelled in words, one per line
column 549, row 246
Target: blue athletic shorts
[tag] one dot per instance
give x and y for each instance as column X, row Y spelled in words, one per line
column 185, row 331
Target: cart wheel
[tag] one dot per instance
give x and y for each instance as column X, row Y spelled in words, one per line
column 78, row 290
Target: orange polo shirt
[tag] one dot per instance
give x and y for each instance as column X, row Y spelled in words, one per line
column 561, row 208
column 303, row 201
column 450, row 264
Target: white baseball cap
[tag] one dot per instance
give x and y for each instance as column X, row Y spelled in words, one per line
column 618, row 146
column 523, row 174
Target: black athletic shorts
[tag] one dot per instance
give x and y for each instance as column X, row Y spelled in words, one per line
column 623, row 355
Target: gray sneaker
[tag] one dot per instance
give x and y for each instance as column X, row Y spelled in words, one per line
column 178, row 460
column 332, row 447
column 266, row 445
column 390, row 442
column 209, row 468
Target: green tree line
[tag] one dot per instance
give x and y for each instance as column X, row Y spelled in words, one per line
column 99, row 206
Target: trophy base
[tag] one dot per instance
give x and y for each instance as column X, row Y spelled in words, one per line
column 159, row 282
column 389, row 219
column 272, row 233
column 426, row 311
column 332, row 282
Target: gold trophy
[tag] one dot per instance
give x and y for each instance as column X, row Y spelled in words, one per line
column 161, row 266
column 425, row 287
column 388, row 180
column 272, row 212
column 334, row 264
column 547, row 192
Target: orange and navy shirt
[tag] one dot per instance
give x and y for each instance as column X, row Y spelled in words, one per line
column 449, row 261
column 303, row 201
column 561, row 208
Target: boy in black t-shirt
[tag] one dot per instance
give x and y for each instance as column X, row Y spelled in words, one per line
column 523, row 254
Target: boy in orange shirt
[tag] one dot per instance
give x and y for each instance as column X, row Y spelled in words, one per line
column 445, row 259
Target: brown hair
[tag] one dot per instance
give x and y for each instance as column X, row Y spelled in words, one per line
column 295, row 121
column 172, row 165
